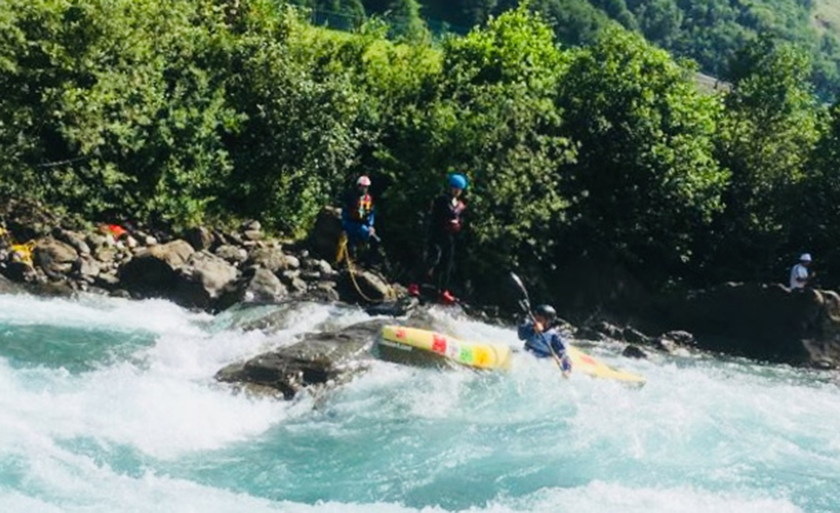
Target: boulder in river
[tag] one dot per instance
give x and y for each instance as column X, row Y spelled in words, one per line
column 203, row 278
column 320, row 359
column 762, row 321
column 152, row 272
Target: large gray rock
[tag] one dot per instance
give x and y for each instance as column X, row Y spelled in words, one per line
column 292, row 262
column 323, row 239
column 200, row 238
column 89, row 269
column 364, row 287
column 324, row 292
column 55, row 258
column 255, row 285
column 96, row 241
column 269, row 258
column 265, row 286
column 292, row 280
column 252, row 235
column 104, row 254
column 152, row 272
column 320, row 359
column 762, row 321
column 231, row 253
column 75, row 240
column 203, row 278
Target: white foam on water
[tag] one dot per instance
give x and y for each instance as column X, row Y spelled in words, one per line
column 597, row 497
column 700, row 436
column 164, row 402
column 92, row 311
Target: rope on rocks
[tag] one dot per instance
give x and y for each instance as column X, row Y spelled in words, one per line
column 344, row 254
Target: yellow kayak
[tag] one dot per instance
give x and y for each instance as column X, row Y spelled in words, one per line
column 582, row 362
column 422, row 347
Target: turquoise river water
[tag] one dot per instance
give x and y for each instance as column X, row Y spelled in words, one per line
column 109, row 405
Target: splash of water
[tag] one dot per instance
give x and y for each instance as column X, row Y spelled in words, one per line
column 111, row 405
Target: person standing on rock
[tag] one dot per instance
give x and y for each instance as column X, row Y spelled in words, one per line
column 799, row 275
column 444, row 230
column 357, row 215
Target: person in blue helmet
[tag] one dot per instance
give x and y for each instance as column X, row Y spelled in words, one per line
column 357, row 215
column 543, row 340
column 444, row 229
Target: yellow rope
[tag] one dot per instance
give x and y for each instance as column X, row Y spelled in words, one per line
column 344, row 254
column 23, row 252
column 342, row 248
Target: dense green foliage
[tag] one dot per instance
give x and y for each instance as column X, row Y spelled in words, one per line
column 645, row 175
column 170, row 110
column 710, row 32
column 766, row 138
column 179, row 112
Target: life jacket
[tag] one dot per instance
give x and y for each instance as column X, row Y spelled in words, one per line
column 363, row 208
column 453, row 224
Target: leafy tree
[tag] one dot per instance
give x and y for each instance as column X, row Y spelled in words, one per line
column 405, row 20
column 493, row 119
column 574, row 22
column 645, row 180
column 477, row 12
column 767, row 134
column 171, row 111
column 617, row 10
column 814, row 220
column 110, row 123
column 659, row 20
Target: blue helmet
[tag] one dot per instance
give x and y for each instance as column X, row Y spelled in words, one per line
column 458, row 181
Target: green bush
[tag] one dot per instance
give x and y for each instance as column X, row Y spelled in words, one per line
column 645, row 181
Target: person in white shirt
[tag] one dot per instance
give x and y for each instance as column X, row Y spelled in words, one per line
column 799, row 276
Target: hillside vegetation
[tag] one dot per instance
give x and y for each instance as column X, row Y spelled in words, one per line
column 179, row 112
column 707, row 31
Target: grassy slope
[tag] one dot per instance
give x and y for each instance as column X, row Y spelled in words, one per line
column 826, row 17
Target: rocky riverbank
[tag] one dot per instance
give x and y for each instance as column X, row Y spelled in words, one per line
column 201, row 267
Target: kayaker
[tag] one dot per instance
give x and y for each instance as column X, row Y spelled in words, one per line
column 357, row 215
column 444, row 229
column 543, row 340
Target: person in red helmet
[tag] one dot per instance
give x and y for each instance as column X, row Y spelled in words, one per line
column 357, row 215
column 444, row 230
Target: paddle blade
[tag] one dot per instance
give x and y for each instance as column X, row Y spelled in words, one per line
column 521, row 286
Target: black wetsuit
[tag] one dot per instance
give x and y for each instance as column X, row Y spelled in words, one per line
column 444, row 227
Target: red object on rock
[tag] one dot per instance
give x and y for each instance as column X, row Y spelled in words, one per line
column 447, row 298
column 117, row 231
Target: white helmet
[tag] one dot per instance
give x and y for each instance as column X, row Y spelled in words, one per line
column 806, row 257
column 363, row 181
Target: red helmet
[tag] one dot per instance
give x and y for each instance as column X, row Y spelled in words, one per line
column 363, row 181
